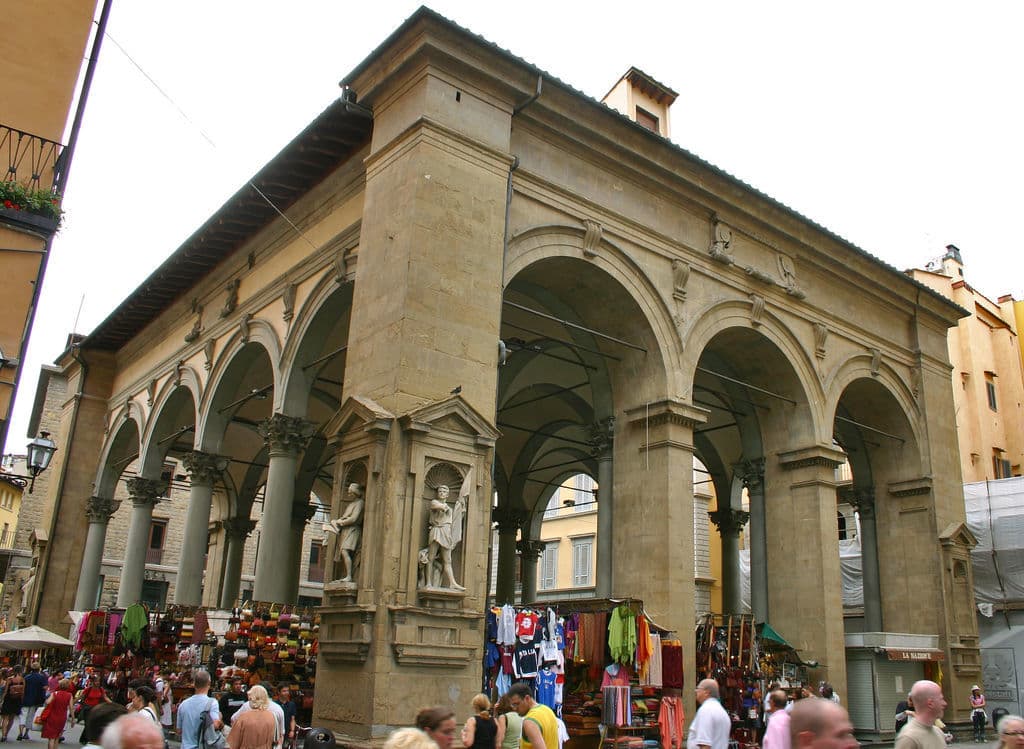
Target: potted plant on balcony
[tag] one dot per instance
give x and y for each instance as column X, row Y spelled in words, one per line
column 38, row 210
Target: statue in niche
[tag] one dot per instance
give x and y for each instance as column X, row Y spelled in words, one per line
column 349, row 528
column 445, row 534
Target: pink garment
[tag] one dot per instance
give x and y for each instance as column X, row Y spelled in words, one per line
column 617, row 675
column 777, row 734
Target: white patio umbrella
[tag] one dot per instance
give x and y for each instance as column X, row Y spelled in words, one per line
column 32, row 638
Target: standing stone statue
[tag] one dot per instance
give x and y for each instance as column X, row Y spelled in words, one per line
column 445, row 534
column 349, row 528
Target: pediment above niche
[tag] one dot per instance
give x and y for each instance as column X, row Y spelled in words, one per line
column 452, row 414
column 358, row 413
column 958, row 534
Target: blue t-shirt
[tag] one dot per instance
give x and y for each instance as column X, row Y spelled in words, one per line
column 35, row 689
column 188, row 718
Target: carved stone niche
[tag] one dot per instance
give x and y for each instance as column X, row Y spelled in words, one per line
column 358, row 435
column 450, row 445
column 958, row 581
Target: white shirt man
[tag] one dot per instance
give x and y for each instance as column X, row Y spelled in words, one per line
column 711, row 725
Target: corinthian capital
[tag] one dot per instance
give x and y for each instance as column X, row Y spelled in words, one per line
column 729, row 521
column 238, row 528
column 751, row 473
column 286, row 434
column 602, row 433
column 509, row 520
column 203, row 468
column 145, row 491
column 99, row 509
column 530, row 549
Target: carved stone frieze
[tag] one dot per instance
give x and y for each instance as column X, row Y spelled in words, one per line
column 286, row 434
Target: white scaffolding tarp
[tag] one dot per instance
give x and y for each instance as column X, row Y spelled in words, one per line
column 849, row 568
column 995, row 515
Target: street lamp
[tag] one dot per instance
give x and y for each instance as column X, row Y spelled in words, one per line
column 40, row 453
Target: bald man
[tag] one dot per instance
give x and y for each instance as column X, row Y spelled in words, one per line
column 921, row 731
column 815, row 723
column 133, row 731
column 711, row 724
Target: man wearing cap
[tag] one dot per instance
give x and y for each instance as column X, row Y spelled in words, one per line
column 35, row 696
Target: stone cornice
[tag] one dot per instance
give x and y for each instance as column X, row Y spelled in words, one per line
column 667, row 411
column 911, row 487
column 815, row 455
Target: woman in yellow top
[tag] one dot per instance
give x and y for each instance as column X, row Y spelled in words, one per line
column 540, row 726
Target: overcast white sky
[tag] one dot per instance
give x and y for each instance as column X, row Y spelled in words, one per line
column 897, row 125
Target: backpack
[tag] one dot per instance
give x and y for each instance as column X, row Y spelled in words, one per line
column 209, row 736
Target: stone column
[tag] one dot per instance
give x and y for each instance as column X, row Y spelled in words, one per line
column 203, row 470
column 729, row 523
column 301, row 515
column 751, row 472
column 286, row 437
column 806, row 584
column 144, row 493
column 529, row 552
column 237, row 530
column 863, row 500
column 509, row 523
column 98, row 510
column 602, row 434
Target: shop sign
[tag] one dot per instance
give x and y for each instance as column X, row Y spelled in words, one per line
column 926, row 654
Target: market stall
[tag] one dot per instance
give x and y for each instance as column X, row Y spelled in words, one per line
column 612, row 675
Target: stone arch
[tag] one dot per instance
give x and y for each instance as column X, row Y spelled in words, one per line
column 735, row 315
column 543, row 242
column 858, row 367
column 174, row 410
column 263, row 340
column 123, row 446
column 328, row 306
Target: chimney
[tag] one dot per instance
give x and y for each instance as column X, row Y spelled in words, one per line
column 643, row 100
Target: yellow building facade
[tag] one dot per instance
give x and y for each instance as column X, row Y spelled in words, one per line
column 41, row 50
column 988, row 377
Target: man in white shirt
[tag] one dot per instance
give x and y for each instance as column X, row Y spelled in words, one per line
column 711, row 725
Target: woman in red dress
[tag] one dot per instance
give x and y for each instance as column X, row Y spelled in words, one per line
column 57, row 713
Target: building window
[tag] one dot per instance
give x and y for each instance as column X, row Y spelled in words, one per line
column 167, row 479
column 157, row 538
column 582, row 556
column 990, row 390
column 648, row 120
column 584, row 490
column 551, row 511
column 1001, row 469
column 549, row 566
column 316, row 562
